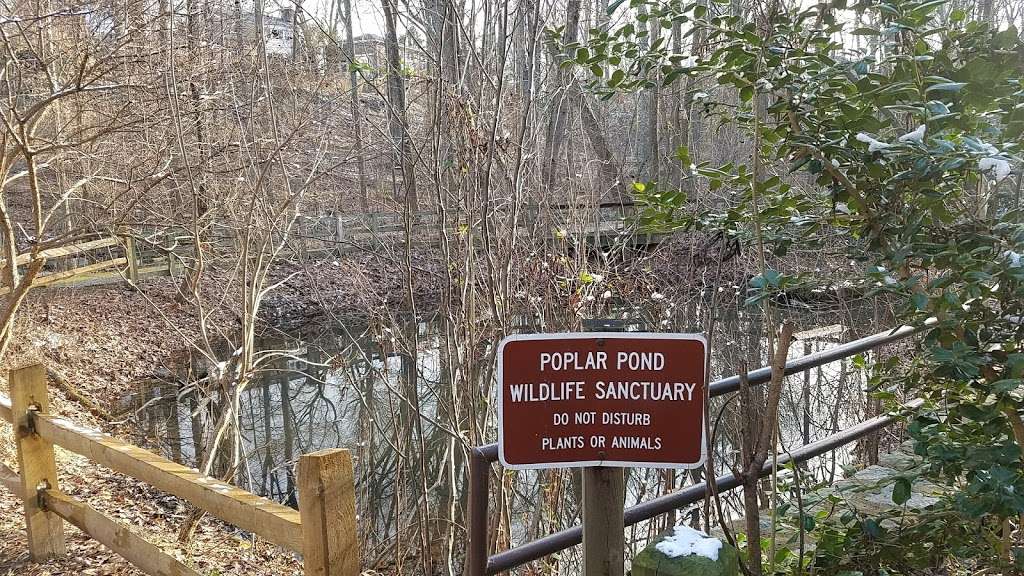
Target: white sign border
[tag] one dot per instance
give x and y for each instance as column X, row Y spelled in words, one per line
column 590, row 336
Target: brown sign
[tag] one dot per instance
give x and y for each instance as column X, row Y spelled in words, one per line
column 601, row 399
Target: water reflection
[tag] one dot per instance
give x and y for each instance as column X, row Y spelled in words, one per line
column 358, row 387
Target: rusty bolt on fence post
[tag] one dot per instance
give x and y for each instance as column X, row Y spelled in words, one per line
column 36, row 463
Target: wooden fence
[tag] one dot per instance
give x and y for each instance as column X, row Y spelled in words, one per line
column 601, row 224
column 323, row 530
column 106, row 260
column 160, row 252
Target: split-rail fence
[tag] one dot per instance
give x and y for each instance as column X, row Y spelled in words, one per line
column 322, row 530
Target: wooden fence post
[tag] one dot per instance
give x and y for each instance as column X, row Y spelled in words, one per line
column 169, row 241
column 327, row 508
column 603, row 533
column 301, row 234
column 604, row 491
column 133, row 261
column 339, row 234
column 36, row 463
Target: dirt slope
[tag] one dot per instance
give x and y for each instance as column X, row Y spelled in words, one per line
column 102, row 339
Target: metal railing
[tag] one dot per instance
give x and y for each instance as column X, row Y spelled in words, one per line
column 481, row 458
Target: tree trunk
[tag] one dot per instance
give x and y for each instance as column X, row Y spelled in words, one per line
column 357, row 122
column 652, row 161
column 403, row 169
column 563, row 102
column 752, row 523
column 758, row 425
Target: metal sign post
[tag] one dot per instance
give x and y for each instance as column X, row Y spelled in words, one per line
column 602, row 401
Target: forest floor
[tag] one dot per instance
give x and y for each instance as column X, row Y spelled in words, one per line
column 102, row 340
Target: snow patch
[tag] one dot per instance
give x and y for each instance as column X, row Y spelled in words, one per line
column 916, row 136
column 983, row 147
column 873, row 145
column 1016, row 260
column 998, row 167
column 685, row 541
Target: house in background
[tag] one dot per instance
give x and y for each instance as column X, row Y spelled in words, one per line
column 279, row 32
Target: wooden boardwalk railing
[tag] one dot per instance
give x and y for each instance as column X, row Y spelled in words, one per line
column 156, row 253
column 323, row 530
column 601, row 224
column 104, row 260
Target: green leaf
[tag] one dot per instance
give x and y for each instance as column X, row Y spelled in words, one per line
column 946, row 87
column 1015, row 365
column 616, row 78
column 866, row 32
column 928, row 7
column 872, row 528
column 672, row 76
column 808, row 523
column 920, row 301
column 683, row 154
column 597, row 70
column 782, row 554
column 901, row 491
column 1007, row 385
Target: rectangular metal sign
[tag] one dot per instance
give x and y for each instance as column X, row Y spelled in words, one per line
column 601, row 399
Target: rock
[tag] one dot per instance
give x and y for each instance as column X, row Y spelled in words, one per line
column 874, row 473
column 651, row 562
column 918, row 500
column 899, row 460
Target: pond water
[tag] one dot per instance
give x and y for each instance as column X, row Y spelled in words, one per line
column 354, row 387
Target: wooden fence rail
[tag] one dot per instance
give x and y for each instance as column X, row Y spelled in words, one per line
column 323, row 530
column 159, row 252
column 104, row 260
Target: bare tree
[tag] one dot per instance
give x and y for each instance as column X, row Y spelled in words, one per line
column 403, row 172
column 65, row 103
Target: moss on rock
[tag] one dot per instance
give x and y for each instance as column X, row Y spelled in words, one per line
column 651, row 562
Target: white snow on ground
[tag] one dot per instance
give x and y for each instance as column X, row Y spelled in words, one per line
column 685, row 541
